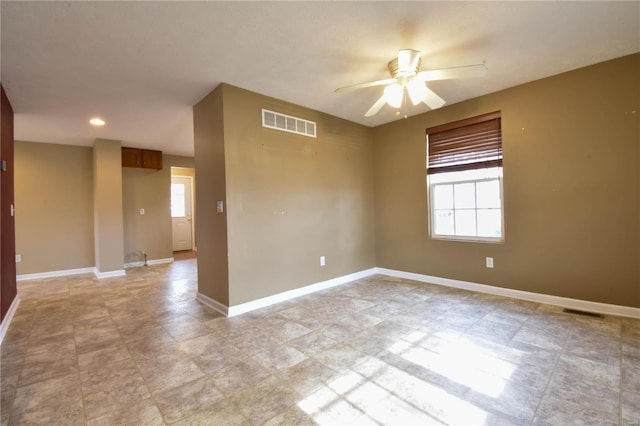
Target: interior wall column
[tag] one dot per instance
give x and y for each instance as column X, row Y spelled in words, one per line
column 107, row 208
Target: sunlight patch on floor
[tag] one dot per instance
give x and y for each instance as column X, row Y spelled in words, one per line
column 461, row 361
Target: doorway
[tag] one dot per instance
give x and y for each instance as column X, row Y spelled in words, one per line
column 182, row 209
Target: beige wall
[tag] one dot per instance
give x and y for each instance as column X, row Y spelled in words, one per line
column 292, row 199
column 211, row 232
column 54, row 207
column 571, row 189
column 151, row 232
column 149, row 190
column 108, row 228
column 55, row 215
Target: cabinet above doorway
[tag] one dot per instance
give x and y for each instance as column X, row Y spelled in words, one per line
column 141, row 158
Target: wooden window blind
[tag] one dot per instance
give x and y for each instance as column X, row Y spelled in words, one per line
column 473, row 143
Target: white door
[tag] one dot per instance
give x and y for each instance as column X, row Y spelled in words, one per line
column 181, row 213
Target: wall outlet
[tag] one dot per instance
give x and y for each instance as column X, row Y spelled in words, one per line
column 141, row 212
column 18, row 258
column 322, row 261
column 489, row 262
column 220, row 206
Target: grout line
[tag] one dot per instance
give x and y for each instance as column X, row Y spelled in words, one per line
column 553, row 370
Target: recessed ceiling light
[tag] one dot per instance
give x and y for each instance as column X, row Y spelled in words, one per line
column 97, row 122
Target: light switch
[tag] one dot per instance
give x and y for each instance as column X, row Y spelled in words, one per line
column 220, row 206
column 141, row 212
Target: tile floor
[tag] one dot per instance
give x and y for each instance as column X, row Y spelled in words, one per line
column 140, row 350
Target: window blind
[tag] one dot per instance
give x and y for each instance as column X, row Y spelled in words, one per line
column 473, row 143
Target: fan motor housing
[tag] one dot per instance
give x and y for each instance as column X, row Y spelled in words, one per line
column 397, row 72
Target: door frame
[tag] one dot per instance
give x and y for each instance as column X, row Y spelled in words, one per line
column 193, row 207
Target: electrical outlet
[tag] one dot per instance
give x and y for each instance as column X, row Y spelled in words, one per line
column 489, row 262
column 322, row 261
column 18, row 258
column 141, row 212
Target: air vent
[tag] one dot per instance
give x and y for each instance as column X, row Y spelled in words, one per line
column 287, row 123
column 584, row 313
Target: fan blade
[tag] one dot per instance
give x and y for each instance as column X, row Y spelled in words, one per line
column 432, row 100
column 468, row 71
column 376, row 107
column 363, row 85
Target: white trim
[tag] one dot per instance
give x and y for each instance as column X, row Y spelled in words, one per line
column 109, row 274
column 584, row 305
column 8, row 317
column 52, row 274
column 149, row 262
column 212, row 303
column 232, row 311
column 292, row 294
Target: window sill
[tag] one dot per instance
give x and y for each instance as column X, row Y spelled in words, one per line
column 484, row 240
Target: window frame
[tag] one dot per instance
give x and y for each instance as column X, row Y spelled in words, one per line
column 468, row 238
column 460, row 141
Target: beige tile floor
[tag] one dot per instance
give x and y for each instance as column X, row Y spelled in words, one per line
column 140, row 350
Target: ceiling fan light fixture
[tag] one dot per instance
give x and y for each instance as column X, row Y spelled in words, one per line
column 406, row 76
column 393, row 95
column 417, row 91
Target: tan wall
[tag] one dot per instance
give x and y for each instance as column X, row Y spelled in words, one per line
column 292, row 198
column 108, row 224
column 149, row 190
column 151, row 232
column 178, row 161
column 54, row 207
column 210, row 173
column 571, row 189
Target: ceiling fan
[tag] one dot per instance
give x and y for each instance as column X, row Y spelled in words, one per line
column 406, row 76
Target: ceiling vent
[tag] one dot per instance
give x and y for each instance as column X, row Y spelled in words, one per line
column 287, row 123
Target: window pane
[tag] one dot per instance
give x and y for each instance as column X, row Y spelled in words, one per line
column 488, row 194
column 465, row 222
column 465, row 195
column 466, row 205
column 443, row 222
column 177, row 200
column 443, row 197
column 489, row 223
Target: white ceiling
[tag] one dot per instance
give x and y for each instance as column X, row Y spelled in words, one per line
column 143, row 65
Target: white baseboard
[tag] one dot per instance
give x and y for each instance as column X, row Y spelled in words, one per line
column 108, row 274
column 231, row 311
column 213, row 304
column 4, row 326
column 149, row 262
column 583, row 305
column 53, row 274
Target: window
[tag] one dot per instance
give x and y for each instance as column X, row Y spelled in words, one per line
column 464, row 179
column 177, row 200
